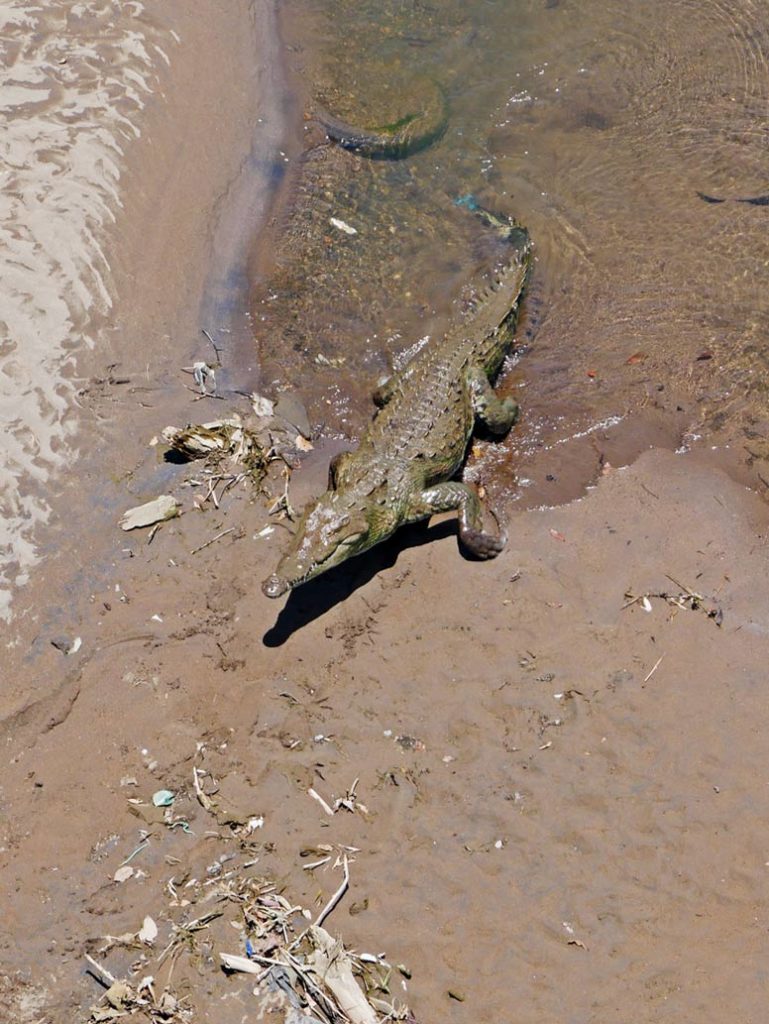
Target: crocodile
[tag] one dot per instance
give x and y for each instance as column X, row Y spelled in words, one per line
column 405, row 467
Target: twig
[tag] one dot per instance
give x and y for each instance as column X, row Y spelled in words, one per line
column 283, row 503
column 684, row 587
column 231, row 483
column 316, row 864
column 212, row 540
column 332, row 903
column 312, row 989
column 654, row 669
column 213, row 345
column 204, row 800
column 347, row 801
column 103, row 976
column 212, row 491
column 208, row 394
column 321, row 801
column 185, row 931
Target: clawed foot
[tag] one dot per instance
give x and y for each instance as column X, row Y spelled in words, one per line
column 483, row 545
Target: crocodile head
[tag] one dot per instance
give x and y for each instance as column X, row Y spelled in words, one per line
column 330, row 531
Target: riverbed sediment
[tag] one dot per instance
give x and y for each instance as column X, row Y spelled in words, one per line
column 555, row 756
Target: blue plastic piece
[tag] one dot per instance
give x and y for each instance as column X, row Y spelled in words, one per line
column 469, row 201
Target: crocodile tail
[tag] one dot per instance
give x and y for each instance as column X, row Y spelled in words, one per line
column 505, row 227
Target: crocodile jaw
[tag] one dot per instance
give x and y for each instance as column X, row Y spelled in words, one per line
column 275, row 586
column 328, row 534
column 292, row 571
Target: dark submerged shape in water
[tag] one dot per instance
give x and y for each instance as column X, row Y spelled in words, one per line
column 414, row 131
column 751, row 200
column 404, row 468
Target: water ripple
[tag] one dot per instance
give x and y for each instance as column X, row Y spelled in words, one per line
column 73, row 79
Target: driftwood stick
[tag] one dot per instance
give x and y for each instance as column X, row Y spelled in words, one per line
column 218, row 351
column 335, row 899
column 212, row 540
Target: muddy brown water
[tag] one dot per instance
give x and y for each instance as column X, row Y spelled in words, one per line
column 565, row 793
column 596, row 125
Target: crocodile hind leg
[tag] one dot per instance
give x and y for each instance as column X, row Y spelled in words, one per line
column 455, row 495
column 497, row 414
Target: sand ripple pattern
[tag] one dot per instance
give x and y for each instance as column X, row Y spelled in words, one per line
column 73, row 79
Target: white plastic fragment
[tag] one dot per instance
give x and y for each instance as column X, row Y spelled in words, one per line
column 155, row 511
column 123, row 873
column 148, row 931
column 202, row 373
column 343, row 226
column 240, row 963
column 262, row 406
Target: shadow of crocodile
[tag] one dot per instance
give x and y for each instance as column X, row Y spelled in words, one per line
column 317, row 597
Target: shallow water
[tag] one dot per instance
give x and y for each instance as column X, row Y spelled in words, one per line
column 596, row 125
column 73, row 80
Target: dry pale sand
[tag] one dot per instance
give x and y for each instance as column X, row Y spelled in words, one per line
column 565, row 803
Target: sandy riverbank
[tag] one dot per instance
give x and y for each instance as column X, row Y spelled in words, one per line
column 563, row 795
column 562, row 792
column 189, row 192
column 75, row 82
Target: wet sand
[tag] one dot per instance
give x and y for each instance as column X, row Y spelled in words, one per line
column 564, row 797
column 74, row 83
column 564, row 806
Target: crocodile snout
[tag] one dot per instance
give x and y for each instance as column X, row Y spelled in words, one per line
column 275, row 586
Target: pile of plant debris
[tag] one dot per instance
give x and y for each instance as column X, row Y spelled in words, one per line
column 224, row 917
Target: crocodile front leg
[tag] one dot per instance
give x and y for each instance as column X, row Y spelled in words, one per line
column 497, row 414
column 383, row 391
column 335, row 468
column 454, row 495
